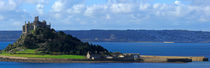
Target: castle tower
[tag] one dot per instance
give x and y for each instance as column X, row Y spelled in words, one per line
column 26, row 29
column 36, row 18
column 36, row 22
column 34, row 25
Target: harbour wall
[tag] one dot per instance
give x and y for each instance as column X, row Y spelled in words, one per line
column 149, row 58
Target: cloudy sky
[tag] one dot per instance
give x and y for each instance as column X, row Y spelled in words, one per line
column 108, row 14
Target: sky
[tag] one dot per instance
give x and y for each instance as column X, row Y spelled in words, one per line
column 108, row 14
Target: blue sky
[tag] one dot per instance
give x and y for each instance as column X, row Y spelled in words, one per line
column 108, row 14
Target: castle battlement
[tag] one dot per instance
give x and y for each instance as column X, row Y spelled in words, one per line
column 35, row 24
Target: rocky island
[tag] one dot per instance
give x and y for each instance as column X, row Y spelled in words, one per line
column 39, row 43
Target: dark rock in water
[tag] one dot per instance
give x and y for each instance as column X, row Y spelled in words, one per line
column 179, row 60
column 205, row 59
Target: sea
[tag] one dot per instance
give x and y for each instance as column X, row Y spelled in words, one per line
column 160, row 49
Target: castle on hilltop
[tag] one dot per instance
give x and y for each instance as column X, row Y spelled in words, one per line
column 33, row 25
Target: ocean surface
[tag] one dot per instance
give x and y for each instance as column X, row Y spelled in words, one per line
column 164, row 49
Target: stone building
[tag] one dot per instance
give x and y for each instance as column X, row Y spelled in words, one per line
column 126, row 56
column 94, row 56
column 35, row 24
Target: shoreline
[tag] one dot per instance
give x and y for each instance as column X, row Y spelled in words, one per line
column 127, row 42
column 145, row 59
column 53, row 60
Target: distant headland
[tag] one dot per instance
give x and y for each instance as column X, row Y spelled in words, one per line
column 144, row 36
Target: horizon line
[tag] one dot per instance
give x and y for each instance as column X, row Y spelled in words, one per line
column 121, row 29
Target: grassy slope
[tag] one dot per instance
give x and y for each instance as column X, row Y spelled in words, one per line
column 31, row 54
column 28, row 51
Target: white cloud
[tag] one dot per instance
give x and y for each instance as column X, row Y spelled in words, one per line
column 124, row 8
column 177, row 2
column 76, row 9
column 30, row 1
column 40, row 8
column 134, row 11
column 11, row 4
column 92, row 10
column 2, row 4
column 199, row 2
column 57, row 15
column 144, row 6
column 1, row 17
column 207, row 10
column 155, row 6
column 57, row 6
column 203, row 19
column 137, row 13
column 34, row 1
column 89, row 11
column 178, row 11
column 17, row 23
column 108, row 16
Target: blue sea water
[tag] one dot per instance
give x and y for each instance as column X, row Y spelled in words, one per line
column 165, row 49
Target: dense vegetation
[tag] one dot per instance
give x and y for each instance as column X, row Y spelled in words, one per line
column 48, row 41
column 127, row 35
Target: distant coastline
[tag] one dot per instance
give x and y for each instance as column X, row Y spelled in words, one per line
column 145, row 36
column 130, row 41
